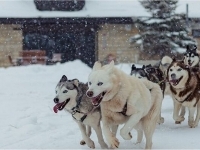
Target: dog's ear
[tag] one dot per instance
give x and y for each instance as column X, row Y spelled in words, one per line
column 109, row 67
column 76, row 82
column 97, row 66
column 173, row 59
column 133, row 67
column 63, row 79
column 194, row 49
column 187, row 48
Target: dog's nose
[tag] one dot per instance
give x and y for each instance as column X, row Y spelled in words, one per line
column 90, row 93
column 56, row 100
column 173, row 76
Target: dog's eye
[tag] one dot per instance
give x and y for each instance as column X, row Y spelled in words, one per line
column 170, row 69
column 179, row 69
column 100, row 83
column 89, row 83
column 56, row 92
column 65, row 91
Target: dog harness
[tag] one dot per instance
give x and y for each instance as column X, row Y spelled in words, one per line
column 124, row 110
column 187, row 99
column 76, row 110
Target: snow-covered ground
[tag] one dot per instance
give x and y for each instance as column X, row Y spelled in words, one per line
column 28, row 121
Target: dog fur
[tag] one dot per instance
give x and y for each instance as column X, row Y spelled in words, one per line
column 191, row 57
column 153, row 74
column 71, row 96
column 127, row 100
column 185, row 87
column 164, row 64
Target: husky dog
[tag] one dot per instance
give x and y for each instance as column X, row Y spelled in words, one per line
column 153, row 74
column 124, row 99
column 71, row 96
column 185, row 87
column 163, row 65
column 191, row 57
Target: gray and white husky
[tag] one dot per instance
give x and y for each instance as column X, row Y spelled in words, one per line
column 71, row 96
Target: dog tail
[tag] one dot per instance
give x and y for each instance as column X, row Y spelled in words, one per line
column 164, row 63
column 156, row 97
column 166, row 60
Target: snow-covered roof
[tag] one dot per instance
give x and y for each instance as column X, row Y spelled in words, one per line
column 92, row 8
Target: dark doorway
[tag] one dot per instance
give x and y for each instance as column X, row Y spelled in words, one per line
column 73, row 43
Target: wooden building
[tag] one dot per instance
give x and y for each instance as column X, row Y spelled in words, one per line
column 88, row 30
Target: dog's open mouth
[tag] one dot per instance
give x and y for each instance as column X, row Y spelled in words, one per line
column 175, row 81
column 97, row 100
column 60, row 106
column 190, row 63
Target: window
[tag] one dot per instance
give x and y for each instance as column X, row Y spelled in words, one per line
column 196, row 32
column 60, row 5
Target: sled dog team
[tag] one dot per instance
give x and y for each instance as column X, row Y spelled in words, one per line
column 134, row 100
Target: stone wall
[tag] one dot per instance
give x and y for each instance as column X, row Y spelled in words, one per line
column 114, row 39
column 10, row 43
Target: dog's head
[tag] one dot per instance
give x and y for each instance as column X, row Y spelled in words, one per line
column 191, row 57
column 178, row 74
column 66, row 92
column 100, row 82
column 138, row 72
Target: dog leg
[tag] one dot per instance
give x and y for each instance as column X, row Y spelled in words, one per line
column 128, row 126
column 191, row 117
column 114, row 129
column 149, row 127
column 87, row 140
column 139, row 130
column 161, row 119
column 178, row 119
column 182, row 111
column 112, row 140
column 88, row 131
column 82, row 142
column 197, row 115
column 100, row 137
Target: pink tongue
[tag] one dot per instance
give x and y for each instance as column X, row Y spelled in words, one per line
column 173, row 81
column 55, row 108
column 94, row 100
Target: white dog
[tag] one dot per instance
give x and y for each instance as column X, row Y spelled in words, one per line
column 124, row 99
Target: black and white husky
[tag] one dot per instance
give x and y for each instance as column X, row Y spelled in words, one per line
column 184, row 87
column 191, row 57
column 71, row 96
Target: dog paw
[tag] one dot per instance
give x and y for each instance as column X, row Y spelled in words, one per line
column 91, row 144
column 179, row 120
column 161, row 120
column 82, row 142
column 114, row 143
column 104, row 146
column 125, row 136
column 192, row 124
